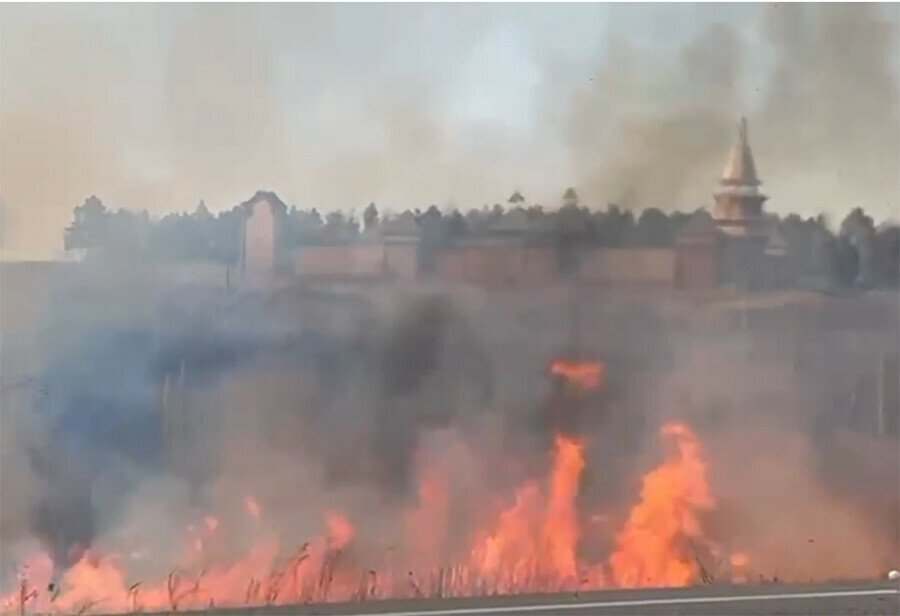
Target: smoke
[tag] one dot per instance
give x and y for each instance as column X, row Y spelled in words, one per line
column 781, row 467
column 20, row 486
column 781, row 508
column 159, row 107
column 356, row 418
column 653, row 127
column 141, row 431
column 645, row 135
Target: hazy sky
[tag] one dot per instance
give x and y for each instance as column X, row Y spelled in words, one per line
column 159, row 106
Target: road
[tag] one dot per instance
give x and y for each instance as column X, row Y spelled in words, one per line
column 869, row 599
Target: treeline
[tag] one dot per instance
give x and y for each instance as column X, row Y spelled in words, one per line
column 856, row 252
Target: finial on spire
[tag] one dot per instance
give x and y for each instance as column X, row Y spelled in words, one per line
column 740, row 169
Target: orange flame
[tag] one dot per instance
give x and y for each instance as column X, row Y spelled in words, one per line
column 561, row 528
column 428, row 521
column 533, row 543
column 585, row 375
column 656, row 547
column 340, row 531
column 512, row 549
column 532, row 546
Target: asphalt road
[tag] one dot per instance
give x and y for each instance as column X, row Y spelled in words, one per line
column 870, row 599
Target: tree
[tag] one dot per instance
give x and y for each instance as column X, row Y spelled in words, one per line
column 89, row 225
column 370, row 217
column 334, row 219
column 315, row 218
column 887, row 254
column 844, row 261
column 653, row 229
column 202, row 212
column 805, row 242
column 477, row 220
column 431, row 239
column 123, row 236
column 574, row 230
column 226, row 240
column 858, row 230
column 677, row 220
column 338, row 228
column 535, row 212
column 454, row 226
column 179, row 237
column 614, row 228
column 202, row 222
column 857, row 219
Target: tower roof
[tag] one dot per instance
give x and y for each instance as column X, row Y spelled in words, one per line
column 741, row 168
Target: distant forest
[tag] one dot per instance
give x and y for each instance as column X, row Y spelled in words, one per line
column 813, row 249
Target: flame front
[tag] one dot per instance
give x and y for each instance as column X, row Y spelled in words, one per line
column 657, row 546
column 534, row 545
column 531, row 546
column 561, row 528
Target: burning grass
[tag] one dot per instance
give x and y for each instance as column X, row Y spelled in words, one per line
column 533, row 545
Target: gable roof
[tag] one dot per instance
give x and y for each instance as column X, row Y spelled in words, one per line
column 262, row 195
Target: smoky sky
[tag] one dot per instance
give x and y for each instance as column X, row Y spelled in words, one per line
column 334, row 106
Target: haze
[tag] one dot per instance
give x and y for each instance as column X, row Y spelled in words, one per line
column 159, row 106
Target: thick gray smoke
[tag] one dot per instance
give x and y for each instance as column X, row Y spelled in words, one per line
column 141, row 427
column 160, row 107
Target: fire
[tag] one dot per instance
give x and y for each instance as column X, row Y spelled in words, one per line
column 428, row 521
column 561, row 528
column 535, row 542
column 533, row 545
column 658, row 545
column 340, row 531
column 512, row 549
column 585, row 375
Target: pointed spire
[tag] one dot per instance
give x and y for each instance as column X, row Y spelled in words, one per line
column 741, row 168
